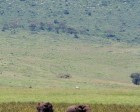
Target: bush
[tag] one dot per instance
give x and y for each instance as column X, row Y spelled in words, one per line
column 66, row 12
column 64, row 75
column 135, row 78
column 32, row 27
column 42, row 26
column 72, row 31
column 50, row 26
column 5, row 27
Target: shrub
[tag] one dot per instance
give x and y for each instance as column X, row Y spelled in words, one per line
column 50, row 26
column 42, row 26
column 64, row 75
column 56, row 21
column 5, row 27
column 32, row 27
column 135, row 78
column 66, row 12
column 71, row 31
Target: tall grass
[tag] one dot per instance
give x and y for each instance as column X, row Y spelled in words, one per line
column 61, row 107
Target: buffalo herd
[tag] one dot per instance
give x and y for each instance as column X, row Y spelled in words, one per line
column 48, row 107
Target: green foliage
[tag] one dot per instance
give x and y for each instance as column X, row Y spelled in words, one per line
column 135, row 78
column 61, row 107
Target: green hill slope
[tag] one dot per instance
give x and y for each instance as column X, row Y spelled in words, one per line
column 37, row 48
column 112, row 19
column 43, row 60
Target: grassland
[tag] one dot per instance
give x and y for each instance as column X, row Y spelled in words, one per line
column 100, row 68
column 73, row 96
column 100, row 100
column 27, row 59
column 37, row 45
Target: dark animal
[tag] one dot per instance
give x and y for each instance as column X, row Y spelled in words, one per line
column 78, row 108
column 44, row 107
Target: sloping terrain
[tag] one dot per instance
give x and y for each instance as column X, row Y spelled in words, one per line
column 50, row 60
column 112, row 19
column 37, row 48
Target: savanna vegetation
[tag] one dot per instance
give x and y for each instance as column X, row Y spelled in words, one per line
column 48, row 67
column 70, row 52
column 111, row 19
column 39, row 60
column 61, row 107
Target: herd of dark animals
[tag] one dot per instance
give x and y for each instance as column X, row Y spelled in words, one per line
column 48, row 107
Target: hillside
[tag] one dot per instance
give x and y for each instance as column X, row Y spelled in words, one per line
column 61, row 43
column 41, row 60
column 112, row 19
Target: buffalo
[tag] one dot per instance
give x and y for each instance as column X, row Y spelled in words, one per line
column 44, row 107
column 79, row 108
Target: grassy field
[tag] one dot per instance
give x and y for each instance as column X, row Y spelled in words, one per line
column 26, row 59
column 31, row 63
column 59, row 95
column 95, row 42
column 100, row 100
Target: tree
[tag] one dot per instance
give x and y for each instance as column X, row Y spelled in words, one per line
column 5, row 27
column 32, row 27
column 42, row 26
column 135, row 78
